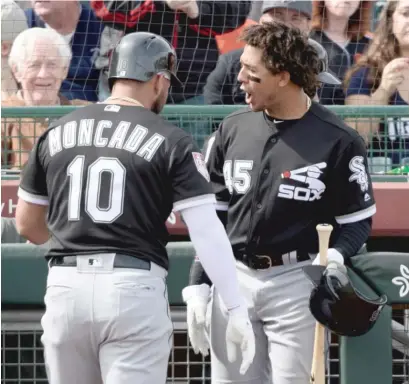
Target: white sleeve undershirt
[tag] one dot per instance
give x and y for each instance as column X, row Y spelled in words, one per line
column 213, row 248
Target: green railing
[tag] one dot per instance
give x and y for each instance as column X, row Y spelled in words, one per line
column 200, row 121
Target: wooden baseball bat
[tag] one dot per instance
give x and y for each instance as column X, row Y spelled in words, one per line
column 318, row 359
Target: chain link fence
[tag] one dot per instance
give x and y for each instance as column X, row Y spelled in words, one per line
column 23, row 362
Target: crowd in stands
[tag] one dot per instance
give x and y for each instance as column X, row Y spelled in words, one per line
column 57, row 53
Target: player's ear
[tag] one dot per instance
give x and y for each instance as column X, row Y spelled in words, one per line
column 284, row 78
column 157, row 84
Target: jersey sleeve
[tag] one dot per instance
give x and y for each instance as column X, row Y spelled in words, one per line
column 190, row 179
column 214, row 158
column 33, row 184
column 351, row 187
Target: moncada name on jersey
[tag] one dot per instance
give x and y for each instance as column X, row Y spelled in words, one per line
column 310, row 188
column 73, row 134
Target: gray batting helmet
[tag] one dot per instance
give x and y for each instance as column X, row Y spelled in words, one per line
column 326, row 75
column 140, row 56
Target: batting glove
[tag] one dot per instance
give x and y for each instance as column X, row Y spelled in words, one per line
column 187, row 6
column 335, row 262
column 240, row 333
column 196, row 298
column 334, row 259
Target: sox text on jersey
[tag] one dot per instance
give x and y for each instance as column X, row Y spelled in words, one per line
column 308, row 176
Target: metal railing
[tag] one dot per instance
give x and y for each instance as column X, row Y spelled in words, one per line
column 200, row 121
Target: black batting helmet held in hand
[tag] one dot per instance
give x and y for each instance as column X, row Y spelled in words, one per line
column 140, row 56
column 326, row 75
column 338, row 306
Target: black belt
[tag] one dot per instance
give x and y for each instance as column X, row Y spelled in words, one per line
column 120, row 261
column 255, row 261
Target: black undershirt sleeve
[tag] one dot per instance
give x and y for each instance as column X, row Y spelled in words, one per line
column 352, row 237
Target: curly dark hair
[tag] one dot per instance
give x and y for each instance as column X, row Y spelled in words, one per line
column 286, row 48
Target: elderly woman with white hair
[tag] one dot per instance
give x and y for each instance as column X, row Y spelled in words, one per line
column 39, row 60
column 13, row 22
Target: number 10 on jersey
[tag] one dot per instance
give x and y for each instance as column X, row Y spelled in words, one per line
column 90, row 186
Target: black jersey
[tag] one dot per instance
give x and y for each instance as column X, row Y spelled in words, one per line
column 278, row 179
column 111, row 175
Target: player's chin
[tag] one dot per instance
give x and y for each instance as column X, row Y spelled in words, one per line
column 255, row 107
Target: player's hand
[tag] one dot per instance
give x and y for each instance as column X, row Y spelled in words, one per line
column 394, row 74
column 240, row 333
column 333, row 257
column 335, row 263
column 187, row 6
column 196, row 298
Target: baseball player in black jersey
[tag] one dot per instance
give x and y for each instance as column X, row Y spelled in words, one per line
column 108, row 176
column 278, row 168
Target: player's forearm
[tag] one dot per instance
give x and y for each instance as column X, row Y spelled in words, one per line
column 197, row 273
column 352, row 237
column 214, row 251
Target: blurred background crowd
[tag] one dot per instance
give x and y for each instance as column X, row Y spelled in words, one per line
column 57, row 53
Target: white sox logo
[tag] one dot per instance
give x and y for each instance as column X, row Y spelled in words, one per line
column 307, row 175
column 357, row 167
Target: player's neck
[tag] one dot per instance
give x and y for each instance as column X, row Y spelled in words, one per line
column 125, row 95
column 292, row 107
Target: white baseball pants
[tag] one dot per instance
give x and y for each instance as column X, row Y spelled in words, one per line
column 284, row 327
column 106, row 325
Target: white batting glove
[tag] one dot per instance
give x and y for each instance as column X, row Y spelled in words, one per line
column 334, row 259
column 187, row 6
column 240, row 333
column 196, row 298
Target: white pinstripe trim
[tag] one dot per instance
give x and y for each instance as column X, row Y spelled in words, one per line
column 356, row 216
column 194, row 202
column 30, row 198
column 222, row 206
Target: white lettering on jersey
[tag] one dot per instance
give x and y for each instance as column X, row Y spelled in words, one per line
column 118, row 137
column 201, row 165
column 69, row 137
column 54, row 141
column 100, row 141
column 85, row 133
column 357, row 167
column 73, row 134
column 135, row 138
column 236, row 176
column 149, row 149
column 308, row 175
